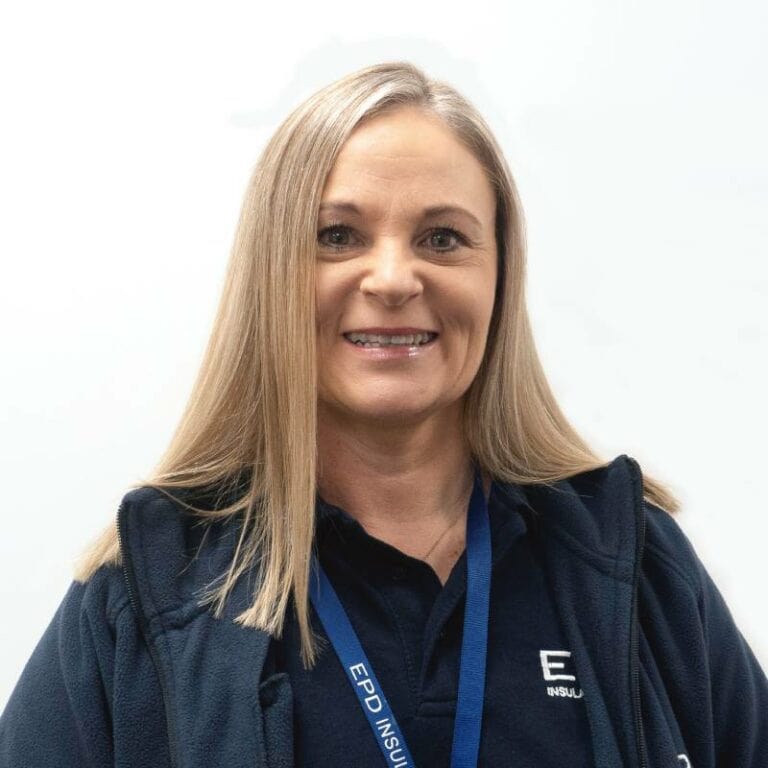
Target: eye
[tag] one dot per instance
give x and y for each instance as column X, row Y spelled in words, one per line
column 450, row 232
column 338, row 233
column 335, row 230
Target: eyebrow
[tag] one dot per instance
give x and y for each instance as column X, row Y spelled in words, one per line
column 430, row 212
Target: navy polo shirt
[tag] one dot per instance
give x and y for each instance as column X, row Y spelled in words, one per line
column 410, row 626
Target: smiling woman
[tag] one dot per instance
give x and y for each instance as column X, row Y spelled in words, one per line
column 383, row 543
column 405, row 279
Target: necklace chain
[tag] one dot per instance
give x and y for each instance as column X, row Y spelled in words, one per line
column 439, row 539
column 442, row 535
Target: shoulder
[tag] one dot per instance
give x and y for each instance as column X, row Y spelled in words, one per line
column 103, row 597
column 668, row 552
column 171, row 554
column 156, row 526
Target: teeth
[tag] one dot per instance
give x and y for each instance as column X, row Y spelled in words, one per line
column 380, row 340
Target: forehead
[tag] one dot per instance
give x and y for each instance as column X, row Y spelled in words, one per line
column 408, row 158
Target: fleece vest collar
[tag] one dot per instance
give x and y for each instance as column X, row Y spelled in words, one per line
column 222, row 710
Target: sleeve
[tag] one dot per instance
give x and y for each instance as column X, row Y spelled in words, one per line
column 59, row 713
column 739, row 685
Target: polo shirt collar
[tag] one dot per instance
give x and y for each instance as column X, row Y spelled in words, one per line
column 508, row 509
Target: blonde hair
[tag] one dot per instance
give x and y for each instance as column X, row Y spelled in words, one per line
column 253, row 405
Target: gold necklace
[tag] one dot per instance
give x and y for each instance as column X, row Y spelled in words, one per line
column 440, row 538
column 442, row 535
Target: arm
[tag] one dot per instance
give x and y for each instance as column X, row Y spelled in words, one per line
column 717, row 688
column 739, row 685
column 59, row 713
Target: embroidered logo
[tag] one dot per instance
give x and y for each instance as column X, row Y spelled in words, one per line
column 548, row 664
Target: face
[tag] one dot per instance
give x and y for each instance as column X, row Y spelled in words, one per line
column 387, row 265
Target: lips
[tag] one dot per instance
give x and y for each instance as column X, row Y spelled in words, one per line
column 387, row 351
column 410, row 339
column 381, row 331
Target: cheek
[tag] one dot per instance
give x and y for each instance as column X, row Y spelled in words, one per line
column 468, row 304
column 328, row 294
column 486, row 298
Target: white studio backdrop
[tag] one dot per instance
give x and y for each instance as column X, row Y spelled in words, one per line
column 636, row 133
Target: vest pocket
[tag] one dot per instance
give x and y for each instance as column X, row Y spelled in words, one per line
column 276, row 699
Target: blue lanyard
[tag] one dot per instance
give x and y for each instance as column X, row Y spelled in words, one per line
column 474, row 643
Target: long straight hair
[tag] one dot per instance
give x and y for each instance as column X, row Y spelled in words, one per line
column 253, row 407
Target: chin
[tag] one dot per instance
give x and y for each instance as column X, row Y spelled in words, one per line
column 393, row 409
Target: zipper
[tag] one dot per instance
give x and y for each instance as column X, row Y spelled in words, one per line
column 130, row 583
column 634, row 660
column 128, row 580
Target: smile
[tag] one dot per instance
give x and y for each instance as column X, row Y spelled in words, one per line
column 379, row 347
column 374, row 340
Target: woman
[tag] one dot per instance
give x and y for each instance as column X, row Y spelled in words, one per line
column 375, row 539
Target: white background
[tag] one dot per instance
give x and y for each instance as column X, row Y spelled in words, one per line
column 636, row 132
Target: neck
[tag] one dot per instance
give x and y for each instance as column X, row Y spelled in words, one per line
column 405, row 484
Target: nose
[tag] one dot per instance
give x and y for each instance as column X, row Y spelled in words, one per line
column 391, row 276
